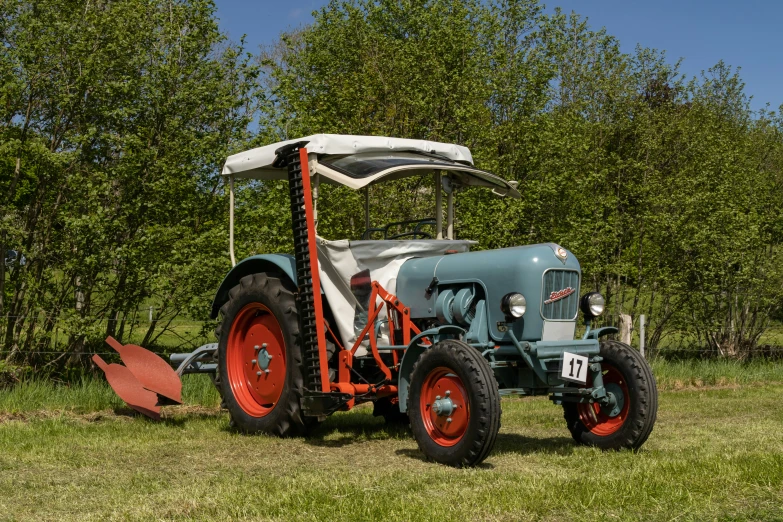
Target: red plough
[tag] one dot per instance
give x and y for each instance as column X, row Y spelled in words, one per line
column 129, row 389
column 145, row 383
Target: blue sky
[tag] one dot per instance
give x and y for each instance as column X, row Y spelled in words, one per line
column 746, row 34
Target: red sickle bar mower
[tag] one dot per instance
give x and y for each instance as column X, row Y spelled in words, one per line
column 407, row 317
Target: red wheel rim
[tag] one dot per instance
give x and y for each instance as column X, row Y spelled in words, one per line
column 445, row 430
column 595, row 418
column 256, row 389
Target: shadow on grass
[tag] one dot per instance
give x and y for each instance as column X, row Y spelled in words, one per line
column 123, row 412
column 515, row 443
column 416, row 454
column 182, row 420
column 343, row 430
column 511, row 443
column 171, row 417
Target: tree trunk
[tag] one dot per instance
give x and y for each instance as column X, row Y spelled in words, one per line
column 2, row 271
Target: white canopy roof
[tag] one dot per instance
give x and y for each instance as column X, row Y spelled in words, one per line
column 358, row 161
column 257, row 163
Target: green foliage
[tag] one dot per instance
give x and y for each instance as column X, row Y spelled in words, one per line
column 667, row 190
column 9, row 374
column 114, row 120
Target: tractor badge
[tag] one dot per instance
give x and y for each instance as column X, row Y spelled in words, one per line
column 560, row 294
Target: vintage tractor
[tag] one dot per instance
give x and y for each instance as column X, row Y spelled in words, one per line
column 408, row 318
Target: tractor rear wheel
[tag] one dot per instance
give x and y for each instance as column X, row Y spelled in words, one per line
column 260, row 358
column 454, row 404
column 628, row 424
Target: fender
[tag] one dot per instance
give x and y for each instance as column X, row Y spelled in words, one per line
column 280, row 265
column 599, row 332
column 412, row 354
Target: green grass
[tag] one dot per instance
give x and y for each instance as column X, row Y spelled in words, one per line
column 90, row 395
column 74, row 453
column 673, row 375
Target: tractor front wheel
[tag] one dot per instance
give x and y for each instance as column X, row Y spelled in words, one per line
column 260, row 358
column 630, row 420
column 453, row 404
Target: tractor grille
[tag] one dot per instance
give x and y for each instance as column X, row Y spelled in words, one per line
column 558, row 280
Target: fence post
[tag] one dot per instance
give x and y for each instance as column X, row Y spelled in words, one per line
column 641, row 334
column 626, row 328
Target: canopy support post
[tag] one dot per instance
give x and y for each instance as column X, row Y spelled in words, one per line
column 231, row 220
column 438, row 206
column 450, row 213
column 316, row 183
column 366, row 208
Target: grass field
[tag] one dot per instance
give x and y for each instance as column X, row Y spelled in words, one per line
column 73, row 453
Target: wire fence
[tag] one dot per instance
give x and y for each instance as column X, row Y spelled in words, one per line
column 161, row 333
column 141, row 315
column 687, row 344
column 182, row 334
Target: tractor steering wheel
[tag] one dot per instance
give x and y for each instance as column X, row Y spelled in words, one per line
column 416, row 232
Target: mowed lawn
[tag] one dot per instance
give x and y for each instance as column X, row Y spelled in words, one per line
column 716, row 454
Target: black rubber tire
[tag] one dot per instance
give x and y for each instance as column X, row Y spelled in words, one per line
column 286, row 417
column 483, row 398
column 643, row 396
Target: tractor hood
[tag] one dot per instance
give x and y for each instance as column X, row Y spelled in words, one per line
column 535, row 271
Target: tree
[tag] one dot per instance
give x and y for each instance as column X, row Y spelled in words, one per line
column 116, row 117
column 656, row 183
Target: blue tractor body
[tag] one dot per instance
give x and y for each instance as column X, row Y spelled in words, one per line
column 486, row 276
column 461, row 328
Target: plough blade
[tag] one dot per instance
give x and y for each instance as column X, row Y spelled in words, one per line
column 154, row 373
column 129, row 388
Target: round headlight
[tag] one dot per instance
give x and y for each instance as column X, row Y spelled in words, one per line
column 513, row 305
column 592, row 304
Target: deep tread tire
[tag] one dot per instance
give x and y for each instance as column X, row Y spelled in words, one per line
column 286, row 418
column 643, row 396
column 482, row 391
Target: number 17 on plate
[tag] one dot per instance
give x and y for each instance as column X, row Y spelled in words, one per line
column 574, row 368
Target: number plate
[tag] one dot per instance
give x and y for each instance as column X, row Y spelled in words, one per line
column 574, row 368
